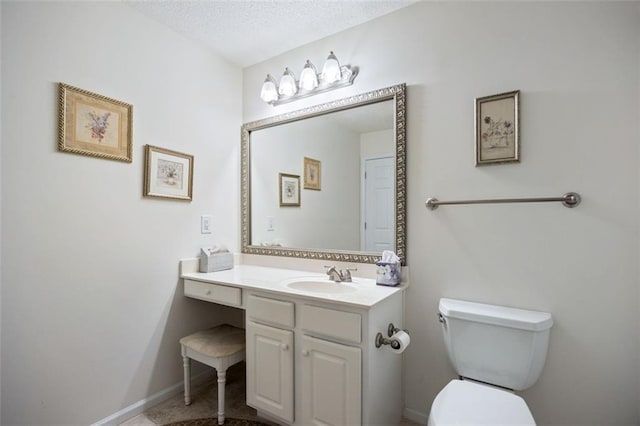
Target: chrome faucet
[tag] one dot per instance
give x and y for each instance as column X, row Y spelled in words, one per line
column 339, row 276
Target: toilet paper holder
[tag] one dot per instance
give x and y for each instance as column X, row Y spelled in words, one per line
column 391, row 330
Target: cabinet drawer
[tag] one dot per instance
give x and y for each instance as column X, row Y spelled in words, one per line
column 331, row 323
column 271, row 311
column 213, row 292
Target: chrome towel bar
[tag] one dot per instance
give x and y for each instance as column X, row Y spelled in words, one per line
column 570, row 199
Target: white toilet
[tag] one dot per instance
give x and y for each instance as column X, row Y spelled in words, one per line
column 495, row 350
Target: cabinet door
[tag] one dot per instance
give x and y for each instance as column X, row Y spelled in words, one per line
column 270, row 370
column 331, row 383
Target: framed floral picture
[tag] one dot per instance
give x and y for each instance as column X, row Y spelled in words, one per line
column 167, row 174
column 312, row 174
column 497, row 129
column 289, row 190
column 94, row 125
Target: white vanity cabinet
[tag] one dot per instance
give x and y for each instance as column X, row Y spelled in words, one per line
column 311, row 358
column 315, row 363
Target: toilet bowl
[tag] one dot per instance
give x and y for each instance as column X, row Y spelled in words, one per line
column 463, row 402
column 495, row 350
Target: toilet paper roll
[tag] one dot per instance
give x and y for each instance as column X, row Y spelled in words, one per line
column 400, row 338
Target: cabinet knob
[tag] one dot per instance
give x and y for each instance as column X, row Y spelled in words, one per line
column 305, row 352
column 284, row 347
column 208, row 292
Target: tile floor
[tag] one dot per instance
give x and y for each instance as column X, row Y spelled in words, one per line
column 204, row 401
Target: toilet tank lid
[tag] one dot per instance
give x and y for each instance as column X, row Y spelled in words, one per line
column 497, row 315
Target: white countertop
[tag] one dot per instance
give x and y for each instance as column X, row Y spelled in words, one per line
column 274, row 280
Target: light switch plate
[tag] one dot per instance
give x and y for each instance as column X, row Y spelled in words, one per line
column 206, row 223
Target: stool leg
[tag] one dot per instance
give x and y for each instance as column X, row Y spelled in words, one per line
column 186, row 362
column 222, row 379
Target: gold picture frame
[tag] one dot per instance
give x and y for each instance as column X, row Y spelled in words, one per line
column 167, row 174
column 312, row 174
column 94, row 125
column 497, row 128
column 289, row 189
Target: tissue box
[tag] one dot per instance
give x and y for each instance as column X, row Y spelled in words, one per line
column 210, row 262
column 388, row 273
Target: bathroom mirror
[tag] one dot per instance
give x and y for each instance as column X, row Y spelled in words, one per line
column 327, row 182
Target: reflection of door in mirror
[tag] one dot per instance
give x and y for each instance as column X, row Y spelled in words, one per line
column 378, row 204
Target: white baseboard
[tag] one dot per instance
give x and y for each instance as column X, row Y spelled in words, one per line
column 155, row 399
column 415, row 416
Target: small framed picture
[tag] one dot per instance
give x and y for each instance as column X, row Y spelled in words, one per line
column 289, row 190
column 497, row 129
column 94, row 125
column 312, row 174
column 167, row 174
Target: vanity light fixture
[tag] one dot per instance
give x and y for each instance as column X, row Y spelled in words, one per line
column 333, row 76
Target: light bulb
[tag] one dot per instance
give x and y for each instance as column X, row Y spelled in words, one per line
column 308, row 77
column 331, row 69
column 287, row 83
column 269, row 92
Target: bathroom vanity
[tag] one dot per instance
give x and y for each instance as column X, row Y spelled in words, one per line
column 311, row 352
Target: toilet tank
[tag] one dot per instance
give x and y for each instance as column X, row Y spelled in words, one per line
column 495, row 344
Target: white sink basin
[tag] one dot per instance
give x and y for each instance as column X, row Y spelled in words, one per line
column 319, row 285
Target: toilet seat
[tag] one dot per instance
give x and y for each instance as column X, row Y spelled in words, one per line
column 463, row 402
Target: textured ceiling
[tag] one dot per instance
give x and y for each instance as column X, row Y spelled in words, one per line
column 246, row 32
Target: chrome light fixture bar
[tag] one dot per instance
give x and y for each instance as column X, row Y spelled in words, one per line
column 333, row 76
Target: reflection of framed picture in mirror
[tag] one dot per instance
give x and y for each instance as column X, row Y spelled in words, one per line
column 312, row 174
column 289, row 190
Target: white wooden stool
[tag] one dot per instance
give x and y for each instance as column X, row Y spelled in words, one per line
column 218, row 347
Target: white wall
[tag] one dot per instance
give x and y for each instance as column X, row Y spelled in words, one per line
column 92, row 307
column 381, row 142
column 577, row 66
column 337, row 203
column 638, row 120
column 1, row 221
